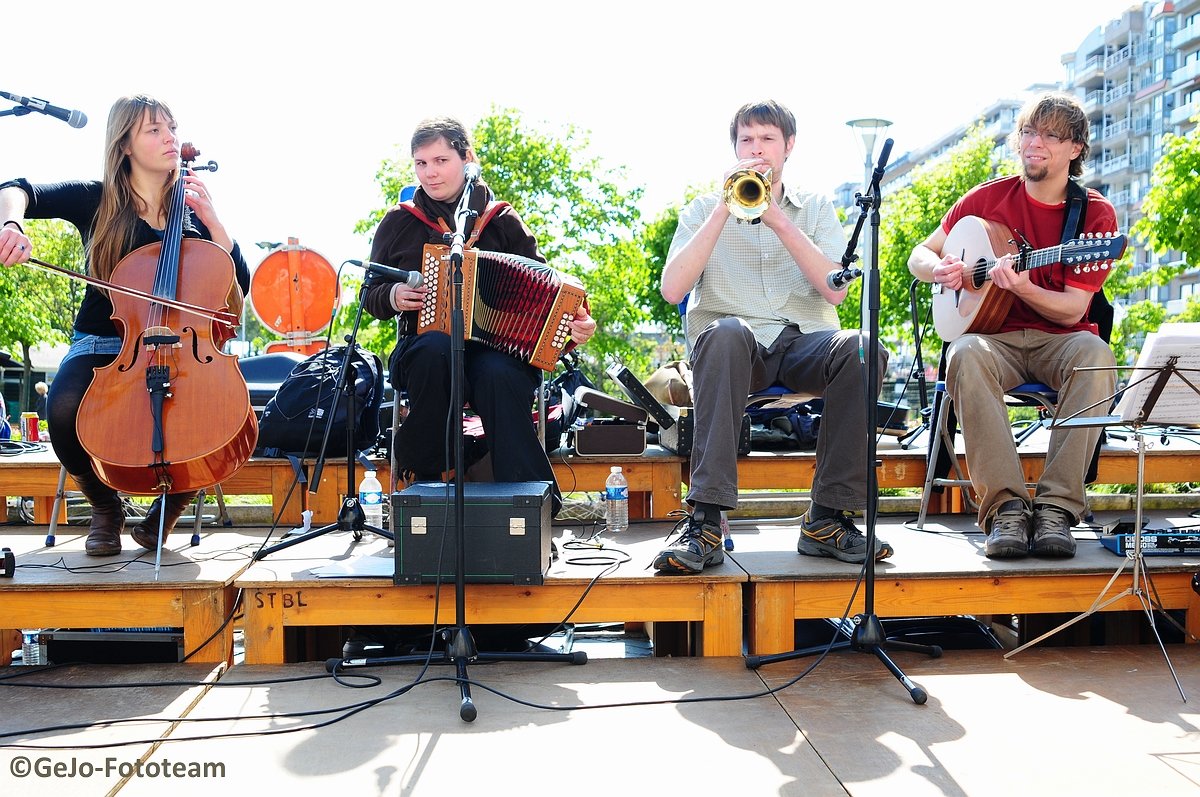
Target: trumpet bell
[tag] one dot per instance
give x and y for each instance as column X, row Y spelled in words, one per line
column 747, row 193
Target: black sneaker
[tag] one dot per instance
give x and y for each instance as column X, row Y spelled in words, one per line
column 1008, row 531
column 695, row 549
column 837, row 537
column 1052, row 532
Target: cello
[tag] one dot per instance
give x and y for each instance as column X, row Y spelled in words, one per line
column 171, row 413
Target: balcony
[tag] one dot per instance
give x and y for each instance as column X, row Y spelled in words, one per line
column 1092, row 100
column 1141, row 125
column 1141, row 162
column 1186, row 37
column 1119, row 199
column 1115, row 164
column 1114, row 60
column 1118, row 91
column 1116, row 132
column 1183, row 113
column 1091, row 71
column 1186, row 73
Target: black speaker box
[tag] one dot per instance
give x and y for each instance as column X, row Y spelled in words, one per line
column 506, row 528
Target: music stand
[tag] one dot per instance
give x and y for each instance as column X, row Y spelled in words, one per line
column 1136, row 411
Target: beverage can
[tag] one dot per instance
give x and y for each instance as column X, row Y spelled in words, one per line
column 29, row 426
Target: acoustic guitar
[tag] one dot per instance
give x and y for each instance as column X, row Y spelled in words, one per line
column 978, row 306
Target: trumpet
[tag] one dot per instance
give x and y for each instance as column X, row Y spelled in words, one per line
column 748, row 194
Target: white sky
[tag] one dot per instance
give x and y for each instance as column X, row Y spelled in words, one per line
column 300, row 101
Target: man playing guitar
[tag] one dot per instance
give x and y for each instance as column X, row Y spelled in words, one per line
column 1044, row 335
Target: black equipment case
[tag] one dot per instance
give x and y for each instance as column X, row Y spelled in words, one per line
column 506, row 528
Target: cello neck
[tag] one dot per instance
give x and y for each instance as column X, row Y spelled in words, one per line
column 167, row 276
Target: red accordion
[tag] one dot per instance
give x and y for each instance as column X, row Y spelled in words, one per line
column 511, row 303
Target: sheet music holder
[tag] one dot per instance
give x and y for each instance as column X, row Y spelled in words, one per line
column 1161, row 394
column 1173, row 350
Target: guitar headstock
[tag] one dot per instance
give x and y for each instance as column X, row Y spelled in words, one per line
column 1093, row 251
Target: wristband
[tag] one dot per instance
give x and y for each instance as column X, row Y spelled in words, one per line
column 14, row 223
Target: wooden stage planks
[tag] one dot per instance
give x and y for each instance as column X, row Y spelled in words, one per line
column 61, row 587
column 942, row 571
column 281, row 591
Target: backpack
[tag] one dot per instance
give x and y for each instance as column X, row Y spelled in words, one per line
column 294, row 419
column 790, row 427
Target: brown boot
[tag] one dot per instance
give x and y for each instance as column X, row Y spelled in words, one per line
column 108, row 516
column 145, row 533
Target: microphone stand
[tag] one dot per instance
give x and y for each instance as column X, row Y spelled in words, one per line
column 459, row 644
column 868, row 634
column 351, row 516
column 17, row 110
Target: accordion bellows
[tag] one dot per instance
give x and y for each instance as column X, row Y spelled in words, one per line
column 510, row 303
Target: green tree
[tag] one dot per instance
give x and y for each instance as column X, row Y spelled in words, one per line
column 907, row 217
column 1170, row 208
column 1168, row 223
column 39, row 307
column 583, row 216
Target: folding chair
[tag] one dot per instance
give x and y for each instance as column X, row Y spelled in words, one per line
column 60, row 497
column 942, row 459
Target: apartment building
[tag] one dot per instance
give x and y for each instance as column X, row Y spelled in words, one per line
column 1139, row 79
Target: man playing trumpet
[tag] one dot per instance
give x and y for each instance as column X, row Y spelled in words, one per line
column 761, row 311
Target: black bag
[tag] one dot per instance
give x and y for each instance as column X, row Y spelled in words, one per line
column 561, row 408
column 294, row 419
column 791, row 427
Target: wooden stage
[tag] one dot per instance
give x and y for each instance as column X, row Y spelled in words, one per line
column 281, row 591
column 941, row 571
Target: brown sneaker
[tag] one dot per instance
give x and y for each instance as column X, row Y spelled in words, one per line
column 838, row 538
column 696, row 548
column 1008, row 531
column 1052, row 532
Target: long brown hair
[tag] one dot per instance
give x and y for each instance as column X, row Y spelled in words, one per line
column 120, row 206
column 113, row 233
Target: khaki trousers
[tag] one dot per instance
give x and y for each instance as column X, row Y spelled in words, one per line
column 982, row 367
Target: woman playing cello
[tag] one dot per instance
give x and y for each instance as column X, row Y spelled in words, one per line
column 126, row 210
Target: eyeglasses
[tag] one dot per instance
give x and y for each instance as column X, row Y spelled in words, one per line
column 1028, row 134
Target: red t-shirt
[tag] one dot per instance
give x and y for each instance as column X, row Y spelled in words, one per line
column 1005, row 201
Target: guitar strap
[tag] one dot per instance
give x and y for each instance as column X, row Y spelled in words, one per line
column 1100, row 312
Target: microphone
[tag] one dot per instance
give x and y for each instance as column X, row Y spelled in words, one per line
column 75, row 119
column 472, row 171
column 410, row 278
column 840, row 279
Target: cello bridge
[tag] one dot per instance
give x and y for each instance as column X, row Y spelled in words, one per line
column 154, row 337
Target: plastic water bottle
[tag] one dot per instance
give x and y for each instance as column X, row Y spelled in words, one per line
column 33, row 651
column 616, row 501
column 370, row 498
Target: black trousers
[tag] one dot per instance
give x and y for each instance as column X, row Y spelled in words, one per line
column 66, row 394
column 498, row 387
